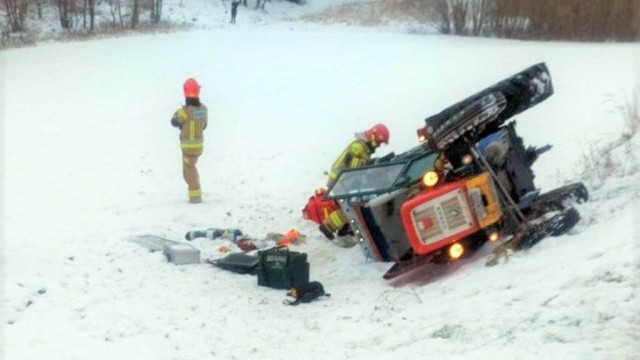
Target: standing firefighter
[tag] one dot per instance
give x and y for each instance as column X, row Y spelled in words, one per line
column 358, row 153
column 192, row 120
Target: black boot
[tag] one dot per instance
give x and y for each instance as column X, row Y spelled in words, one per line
column 345, row 231
column 325, row 230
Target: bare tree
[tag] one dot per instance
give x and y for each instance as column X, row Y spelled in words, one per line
column 116, row 13
column 92, row 13
column 135, row 13
column 478, row 9
column 115, row 9
column 65, row 13
column 443, row 10
column 453, row 15
column 156, row 11
column 39, row 4
column 260, row 4
column 459, row 13
column 16, row 11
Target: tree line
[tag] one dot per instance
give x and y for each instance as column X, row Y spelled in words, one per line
column 81, row 14
column 575, row 20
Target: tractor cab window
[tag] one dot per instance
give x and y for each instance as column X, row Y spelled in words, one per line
column 366, row 181
column 402, row 171
column 417, row 167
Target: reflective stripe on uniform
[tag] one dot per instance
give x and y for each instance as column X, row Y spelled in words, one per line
column 337, row 219
column 194, row 145
column 355, row 155
column 182, row 115
column 355, row 162
column 195, row 193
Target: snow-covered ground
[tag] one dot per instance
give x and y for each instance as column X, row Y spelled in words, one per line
column 90, row 161
column 201, row 13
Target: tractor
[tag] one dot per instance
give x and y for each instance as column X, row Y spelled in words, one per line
column 468, row 181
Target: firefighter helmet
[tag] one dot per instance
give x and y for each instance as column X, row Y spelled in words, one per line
column 191, row 88
column 378, row 133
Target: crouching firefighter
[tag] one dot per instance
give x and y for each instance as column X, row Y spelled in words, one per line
column 356, row 154
column 192, row 120
column 327, row 214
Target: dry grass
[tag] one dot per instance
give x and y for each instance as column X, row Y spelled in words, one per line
column 101, row 32
column 375, row 13
column 618, row 157
column 630, row 110
column 574, row 20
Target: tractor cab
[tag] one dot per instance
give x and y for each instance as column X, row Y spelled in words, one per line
column 371, row 198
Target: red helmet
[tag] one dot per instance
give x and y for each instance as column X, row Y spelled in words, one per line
column 191, row 88
column 378, row 133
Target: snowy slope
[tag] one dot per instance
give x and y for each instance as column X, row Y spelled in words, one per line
column 194, row 14
column 90, row 161
column 208, row 14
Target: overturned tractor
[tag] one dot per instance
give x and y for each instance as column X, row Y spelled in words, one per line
column 469, row 181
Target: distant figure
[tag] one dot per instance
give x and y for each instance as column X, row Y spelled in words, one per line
column 234, row 10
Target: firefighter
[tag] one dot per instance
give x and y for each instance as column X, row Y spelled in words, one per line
column 359, row 151
column 191, row 119
column 357, row 154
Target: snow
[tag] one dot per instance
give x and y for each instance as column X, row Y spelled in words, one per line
column 90, row 161
column 195, row 14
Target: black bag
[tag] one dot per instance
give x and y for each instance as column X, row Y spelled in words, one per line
column 280, row 268
column 306, row 293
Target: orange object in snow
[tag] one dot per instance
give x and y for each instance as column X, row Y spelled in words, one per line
column 289, row 238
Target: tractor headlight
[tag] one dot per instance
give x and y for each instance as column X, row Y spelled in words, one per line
column 456, row 250
column 430, row 178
